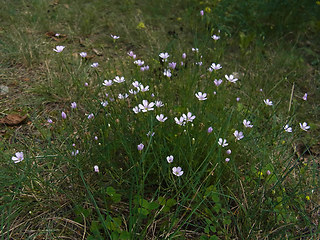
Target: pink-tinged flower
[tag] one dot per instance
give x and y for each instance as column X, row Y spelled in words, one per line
column 161, row 118
column 201, row 96
column 237, row 99
column 231, row 78
column 268, row 102
column 136, row 84
column 215, row 66
column 75, row 153
column 136, row 109
column 146, row 106
column 223, row 142
column 305, row 96
column 73, row 105
column 201, row 12
column 59, row 49
column 180, row 121
column 194, row 49
column 49, row 120
column 114, row 37
column 184, row 55
column 164, row 56
column 123, row 96
column 177, row 171
column 150, row 134
column 247, row 124
column 199, row 63
column 143, row 89
column 83, row 54
column 144, row 68
column 210, row 129
column 167, row 73
column 268, row 172
column 172, row 65
column 86, row 84
column 227, row 159
column 18, row 157
column 104, row 103
column 238, row 135
column 94, row 65
column 63, row 115
column 159, row 104
column 134, row 92
column 90, row 116
column 170, row 159
column 96, row 168
column 118, row 79
column 107, row 83
column 228, row 151
column 131, row 54
column 189, row 117
column 217, row 82
column 304, row 126
column 215, row 37
column 287, row 128
column 95, row 138
column 140, row 147
column 138, row 62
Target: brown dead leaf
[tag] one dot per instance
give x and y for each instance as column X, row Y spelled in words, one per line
column 56, row 36
column 97, row 52
column 13, row 119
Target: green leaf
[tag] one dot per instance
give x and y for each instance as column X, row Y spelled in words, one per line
column 125, row 235
column 153, row 205
column 162, row 201
column 213, row 237
column 111, row 191
column 171, row 202
column 116, row 197
column 143, row 211
column 226, row 221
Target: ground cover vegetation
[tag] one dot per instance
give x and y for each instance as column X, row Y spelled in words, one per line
column 160, row 119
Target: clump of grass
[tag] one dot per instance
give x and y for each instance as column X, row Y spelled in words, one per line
column 121, row 170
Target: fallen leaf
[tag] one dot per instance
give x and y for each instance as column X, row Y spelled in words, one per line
column 97, row 52
column 13, row 119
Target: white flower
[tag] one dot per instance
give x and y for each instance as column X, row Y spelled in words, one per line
column 228, row 151
column 136, row 109
column 114, row 37
column 146, row 106
column 215, row 66
column 201, row 96
column 18, row 157
column 223, row 142
column 118, row 79
column 134, row 92
column 170, row 159
column 83, row 54
column 231, row 78
column 104, row 104
column 167, row 72
column 217, row 82
column 179, row 121
column 143, row 89
column 238, row 135
column 136, row 84
column 215, row 37
column 246, row 123
column 177, row 171
column 188, row 117
column 227, row 159
column 94, row 65
column 96, row 168
column 268, row 102
column 287, row 128
column 59, row 49
column 161, row 118
column 305, row 96
column 304, row 126
column 194, row 49
column 107, row 83
column 139, row 62
column 123, row 96
column 159, row 104
column 164, row 56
